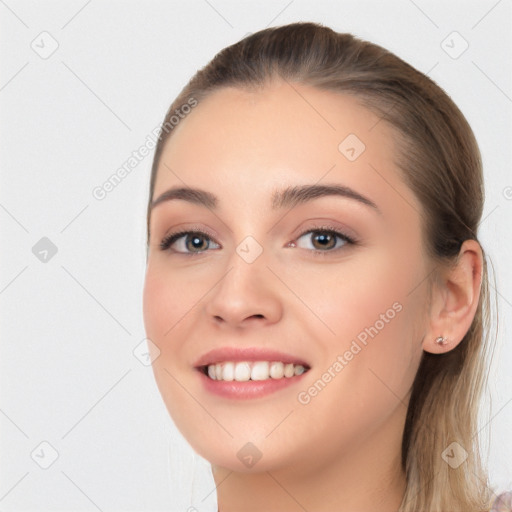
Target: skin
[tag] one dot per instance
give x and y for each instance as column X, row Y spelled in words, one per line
column 340, row 451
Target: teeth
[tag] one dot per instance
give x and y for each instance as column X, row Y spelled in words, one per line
column 277, row 370
column 288, row 370
column 260, row 371
column 228, row 372
column 257, row 370
column 299, row 370
column 242, row 372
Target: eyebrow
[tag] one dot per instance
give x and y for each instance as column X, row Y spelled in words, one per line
column 285, row 198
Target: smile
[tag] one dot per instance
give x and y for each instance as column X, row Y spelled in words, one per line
column 243, row 371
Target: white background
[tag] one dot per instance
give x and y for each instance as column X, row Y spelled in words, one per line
column 70, row 325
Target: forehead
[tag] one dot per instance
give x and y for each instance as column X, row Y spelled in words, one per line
column 270, row 120
column 255, row 141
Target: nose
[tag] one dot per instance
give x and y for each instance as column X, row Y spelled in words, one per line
column 247, row 295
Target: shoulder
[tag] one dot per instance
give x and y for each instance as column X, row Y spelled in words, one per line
column 503, row 503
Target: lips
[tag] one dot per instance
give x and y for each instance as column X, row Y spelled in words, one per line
column 222, row 360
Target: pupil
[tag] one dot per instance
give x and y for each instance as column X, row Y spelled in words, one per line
column 195, row 240
column 324, row 240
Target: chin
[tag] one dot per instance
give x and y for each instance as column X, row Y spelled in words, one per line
column 239, row 456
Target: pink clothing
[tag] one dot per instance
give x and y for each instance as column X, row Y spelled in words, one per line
column 503, row 503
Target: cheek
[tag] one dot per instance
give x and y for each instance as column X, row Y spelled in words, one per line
column 163, row 307
column 168, row 297
column 155, row 304
column 165, row 302
column 367, row 368
column 372, row 320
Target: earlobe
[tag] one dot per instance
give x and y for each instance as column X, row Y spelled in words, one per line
column 440, row 340
column 455, row 300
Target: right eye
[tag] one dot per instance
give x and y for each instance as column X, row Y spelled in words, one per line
column 187, row 242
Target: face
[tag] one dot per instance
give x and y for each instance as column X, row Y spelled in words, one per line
column 331, row 282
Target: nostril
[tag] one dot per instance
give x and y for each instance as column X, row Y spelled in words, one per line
column 220, row 319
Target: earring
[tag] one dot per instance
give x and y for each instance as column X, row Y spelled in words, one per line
column 441, row 341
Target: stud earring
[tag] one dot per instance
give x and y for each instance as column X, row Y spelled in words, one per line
column 441, row 341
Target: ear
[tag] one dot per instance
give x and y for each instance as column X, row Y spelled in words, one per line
column 455, row 300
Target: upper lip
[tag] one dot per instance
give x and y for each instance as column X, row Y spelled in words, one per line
column 222, row 354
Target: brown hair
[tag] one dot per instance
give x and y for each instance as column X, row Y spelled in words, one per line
column 439, row 159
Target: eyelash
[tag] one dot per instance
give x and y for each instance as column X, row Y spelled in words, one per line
column 170, row 239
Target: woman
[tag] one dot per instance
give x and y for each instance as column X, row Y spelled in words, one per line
column 315, row 290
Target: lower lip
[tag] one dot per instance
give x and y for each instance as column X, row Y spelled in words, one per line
column 248, row 389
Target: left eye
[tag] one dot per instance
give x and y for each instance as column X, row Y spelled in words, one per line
column 324, row 240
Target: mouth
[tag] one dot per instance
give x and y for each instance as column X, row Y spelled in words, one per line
column 249, row 373
column 244, row 371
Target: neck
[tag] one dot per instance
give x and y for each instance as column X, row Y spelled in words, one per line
column 365, row 478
